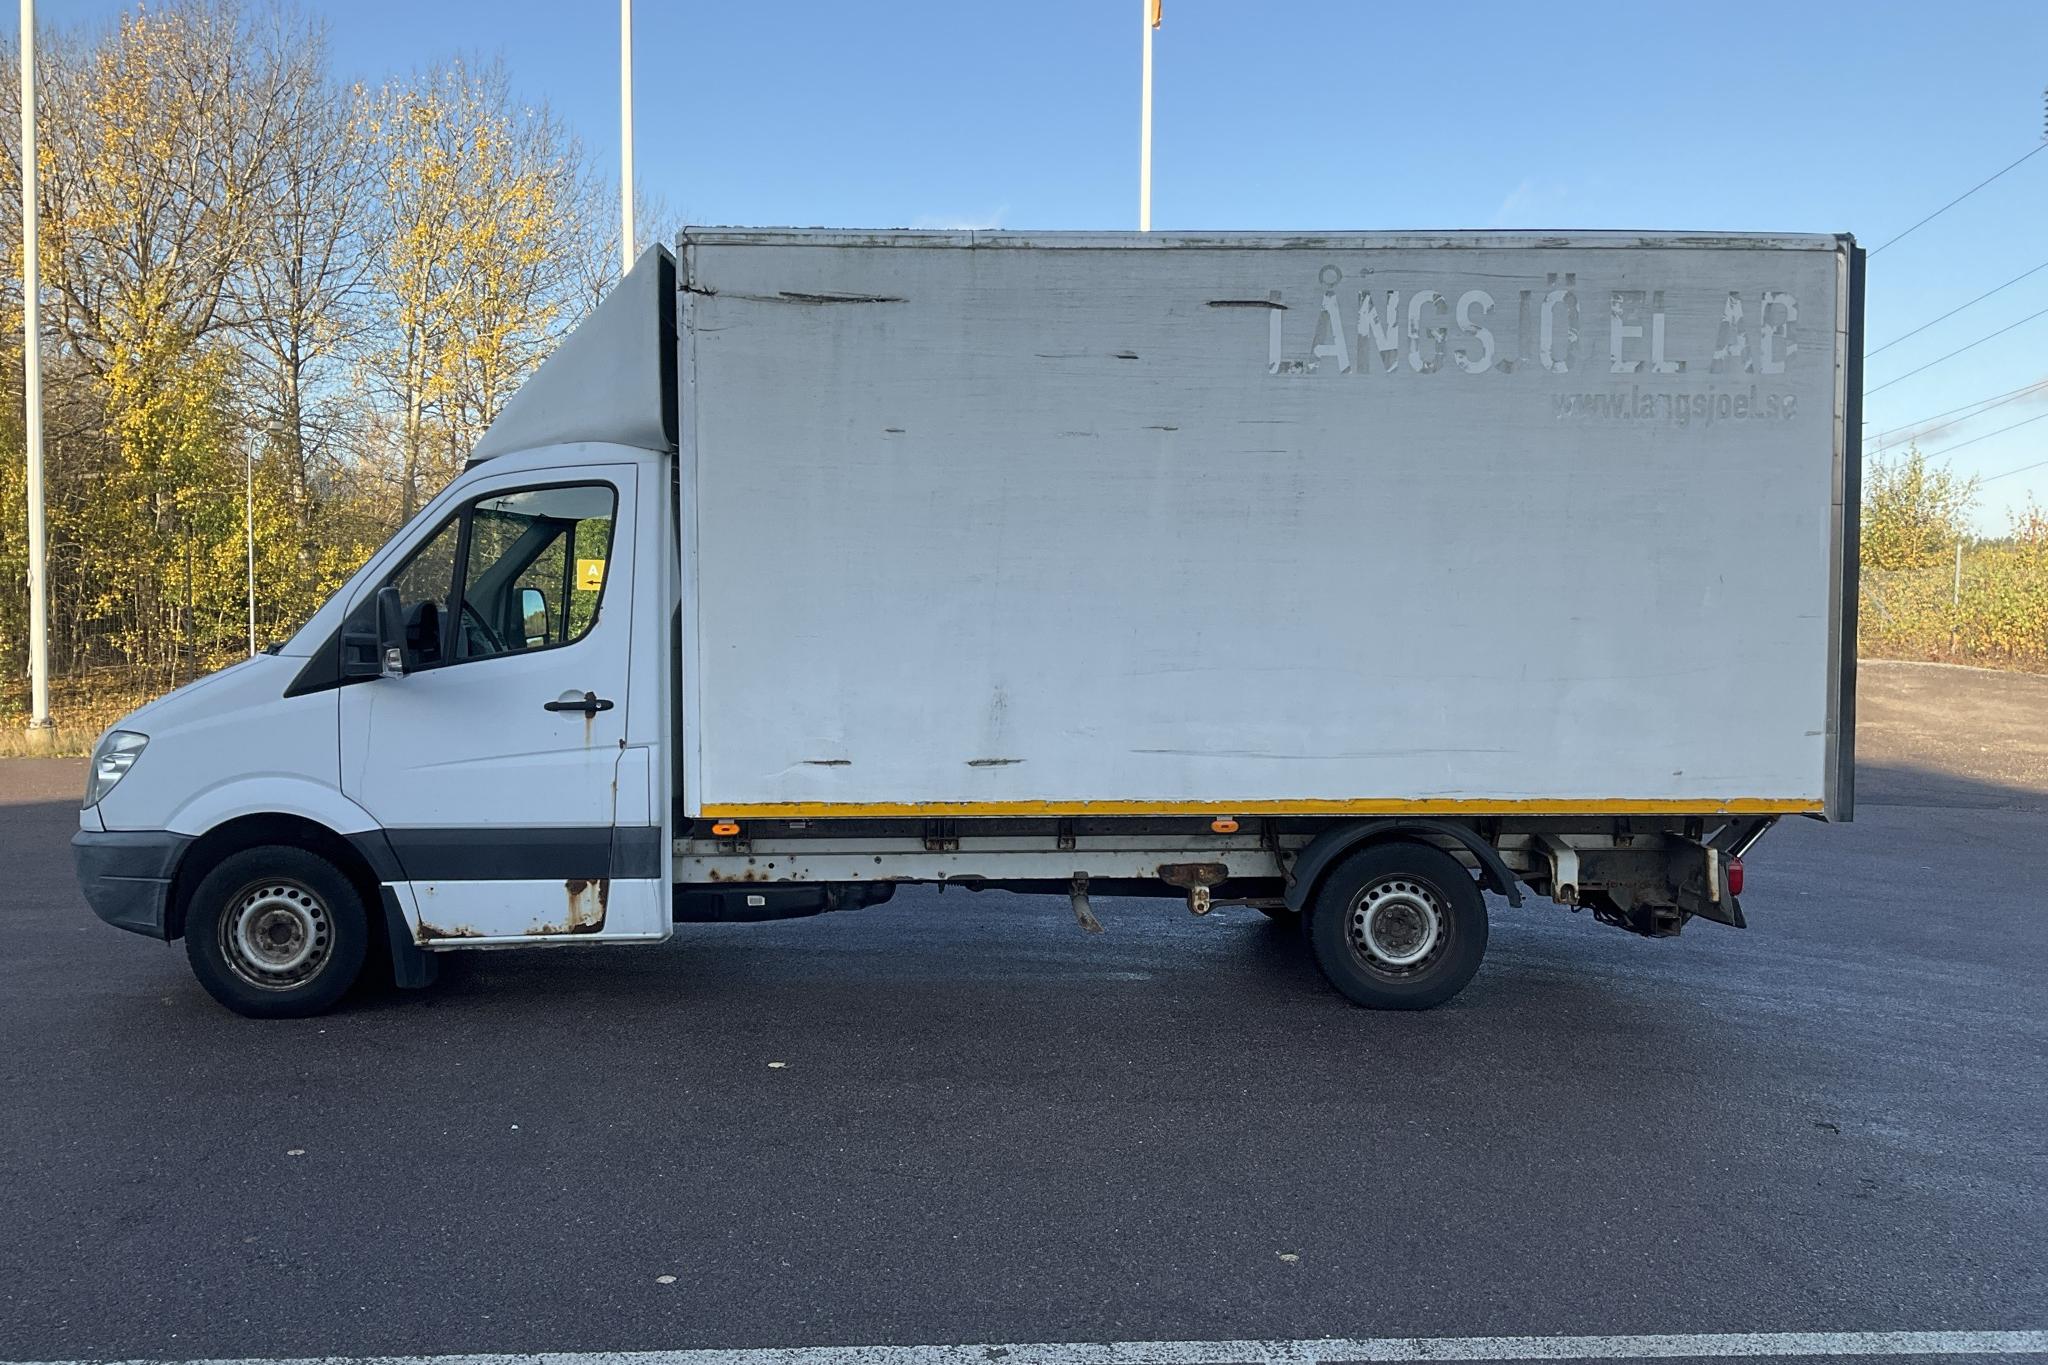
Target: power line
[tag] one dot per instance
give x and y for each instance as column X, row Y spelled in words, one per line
column 1958, row 308
column 2010, row 472
column 2039, row 147
column 1958, row 350
column 1987, row 436
column 1983, row 405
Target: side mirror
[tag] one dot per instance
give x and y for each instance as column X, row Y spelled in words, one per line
column 533, row 613
column 391, row 651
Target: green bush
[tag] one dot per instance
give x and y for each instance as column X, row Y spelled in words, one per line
column 1997, row 616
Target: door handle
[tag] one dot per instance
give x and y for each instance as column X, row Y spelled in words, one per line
column 589, row 704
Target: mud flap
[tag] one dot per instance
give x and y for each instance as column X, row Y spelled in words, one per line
column 411, row 968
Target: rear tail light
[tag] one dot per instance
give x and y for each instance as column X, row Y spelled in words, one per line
column 1735, row 876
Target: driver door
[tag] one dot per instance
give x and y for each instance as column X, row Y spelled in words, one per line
column 492, row 764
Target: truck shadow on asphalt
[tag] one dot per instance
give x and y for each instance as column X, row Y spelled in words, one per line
column 986, row 996
column 989, row 985
column 1899, row 784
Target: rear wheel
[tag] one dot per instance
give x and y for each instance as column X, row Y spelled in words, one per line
column 1398, row 926
column 276, row 932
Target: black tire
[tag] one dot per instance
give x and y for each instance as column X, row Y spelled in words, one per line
column 276, row 932
column 1385, row 902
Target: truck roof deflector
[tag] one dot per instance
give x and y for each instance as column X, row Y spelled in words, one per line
column 606, row 382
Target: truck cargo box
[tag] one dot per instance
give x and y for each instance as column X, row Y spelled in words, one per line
column 1480, row 523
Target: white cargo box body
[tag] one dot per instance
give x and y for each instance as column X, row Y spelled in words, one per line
column 1081, row 524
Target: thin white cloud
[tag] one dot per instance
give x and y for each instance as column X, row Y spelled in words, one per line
column 1898, row 438
column 1529, row 203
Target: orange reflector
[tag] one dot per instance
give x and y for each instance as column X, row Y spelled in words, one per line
column 1224, row 824
column 724, row 829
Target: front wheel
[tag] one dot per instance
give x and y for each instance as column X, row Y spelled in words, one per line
column 276, row 933
column 1398, row 926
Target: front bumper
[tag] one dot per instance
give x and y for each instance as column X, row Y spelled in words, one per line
column 126, row 875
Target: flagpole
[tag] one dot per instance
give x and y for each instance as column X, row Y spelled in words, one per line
column 1146, row 10
column 39, row 724
column 625, row 135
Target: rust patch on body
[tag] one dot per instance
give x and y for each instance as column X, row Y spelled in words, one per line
column 588, row 900
column 1193, row 875
column 751, row 873
column 429, row 932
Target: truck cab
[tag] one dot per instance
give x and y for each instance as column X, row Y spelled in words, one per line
column 464, row 745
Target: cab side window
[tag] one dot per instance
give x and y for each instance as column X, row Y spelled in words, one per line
column 534, row 568
column 506, row 572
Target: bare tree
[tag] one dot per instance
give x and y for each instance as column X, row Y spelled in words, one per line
column 304, row 286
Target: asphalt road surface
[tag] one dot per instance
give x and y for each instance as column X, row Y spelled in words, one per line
column 956, row 1119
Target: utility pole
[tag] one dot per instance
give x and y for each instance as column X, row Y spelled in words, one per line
column 39, row 724
column 1955, row 602
column 625, row 136
column 275, row 430
column 1151, row 21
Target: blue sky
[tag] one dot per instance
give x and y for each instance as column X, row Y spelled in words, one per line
column 1795, row 116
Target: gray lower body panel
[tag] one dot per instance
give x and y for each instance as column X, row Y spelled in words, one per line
column 126, row 875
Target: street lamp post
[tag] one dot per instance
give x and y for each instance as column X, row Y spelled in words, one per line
column 39, row 724
column 1151, row 16
column 625, row 136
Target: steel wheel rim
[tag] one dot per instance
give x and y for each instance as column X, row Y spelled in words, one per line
column 276, row 934
column 1398, row 926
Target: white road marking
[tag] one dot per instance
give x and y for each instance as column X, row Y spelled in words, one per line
column 1320, row 1351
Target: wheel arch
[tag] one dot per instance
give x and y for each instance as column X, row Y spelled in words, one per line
column 1324, row 851
column 205, row 853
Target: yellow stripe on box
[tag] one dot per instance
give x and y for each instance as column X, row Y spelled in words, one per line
column 855, row 810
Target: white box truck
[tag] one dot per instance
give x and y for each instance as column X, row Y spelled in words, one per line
column 1344, row 576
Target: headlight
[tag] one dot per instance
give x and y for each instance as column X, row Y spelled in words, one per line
column 116, row 754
